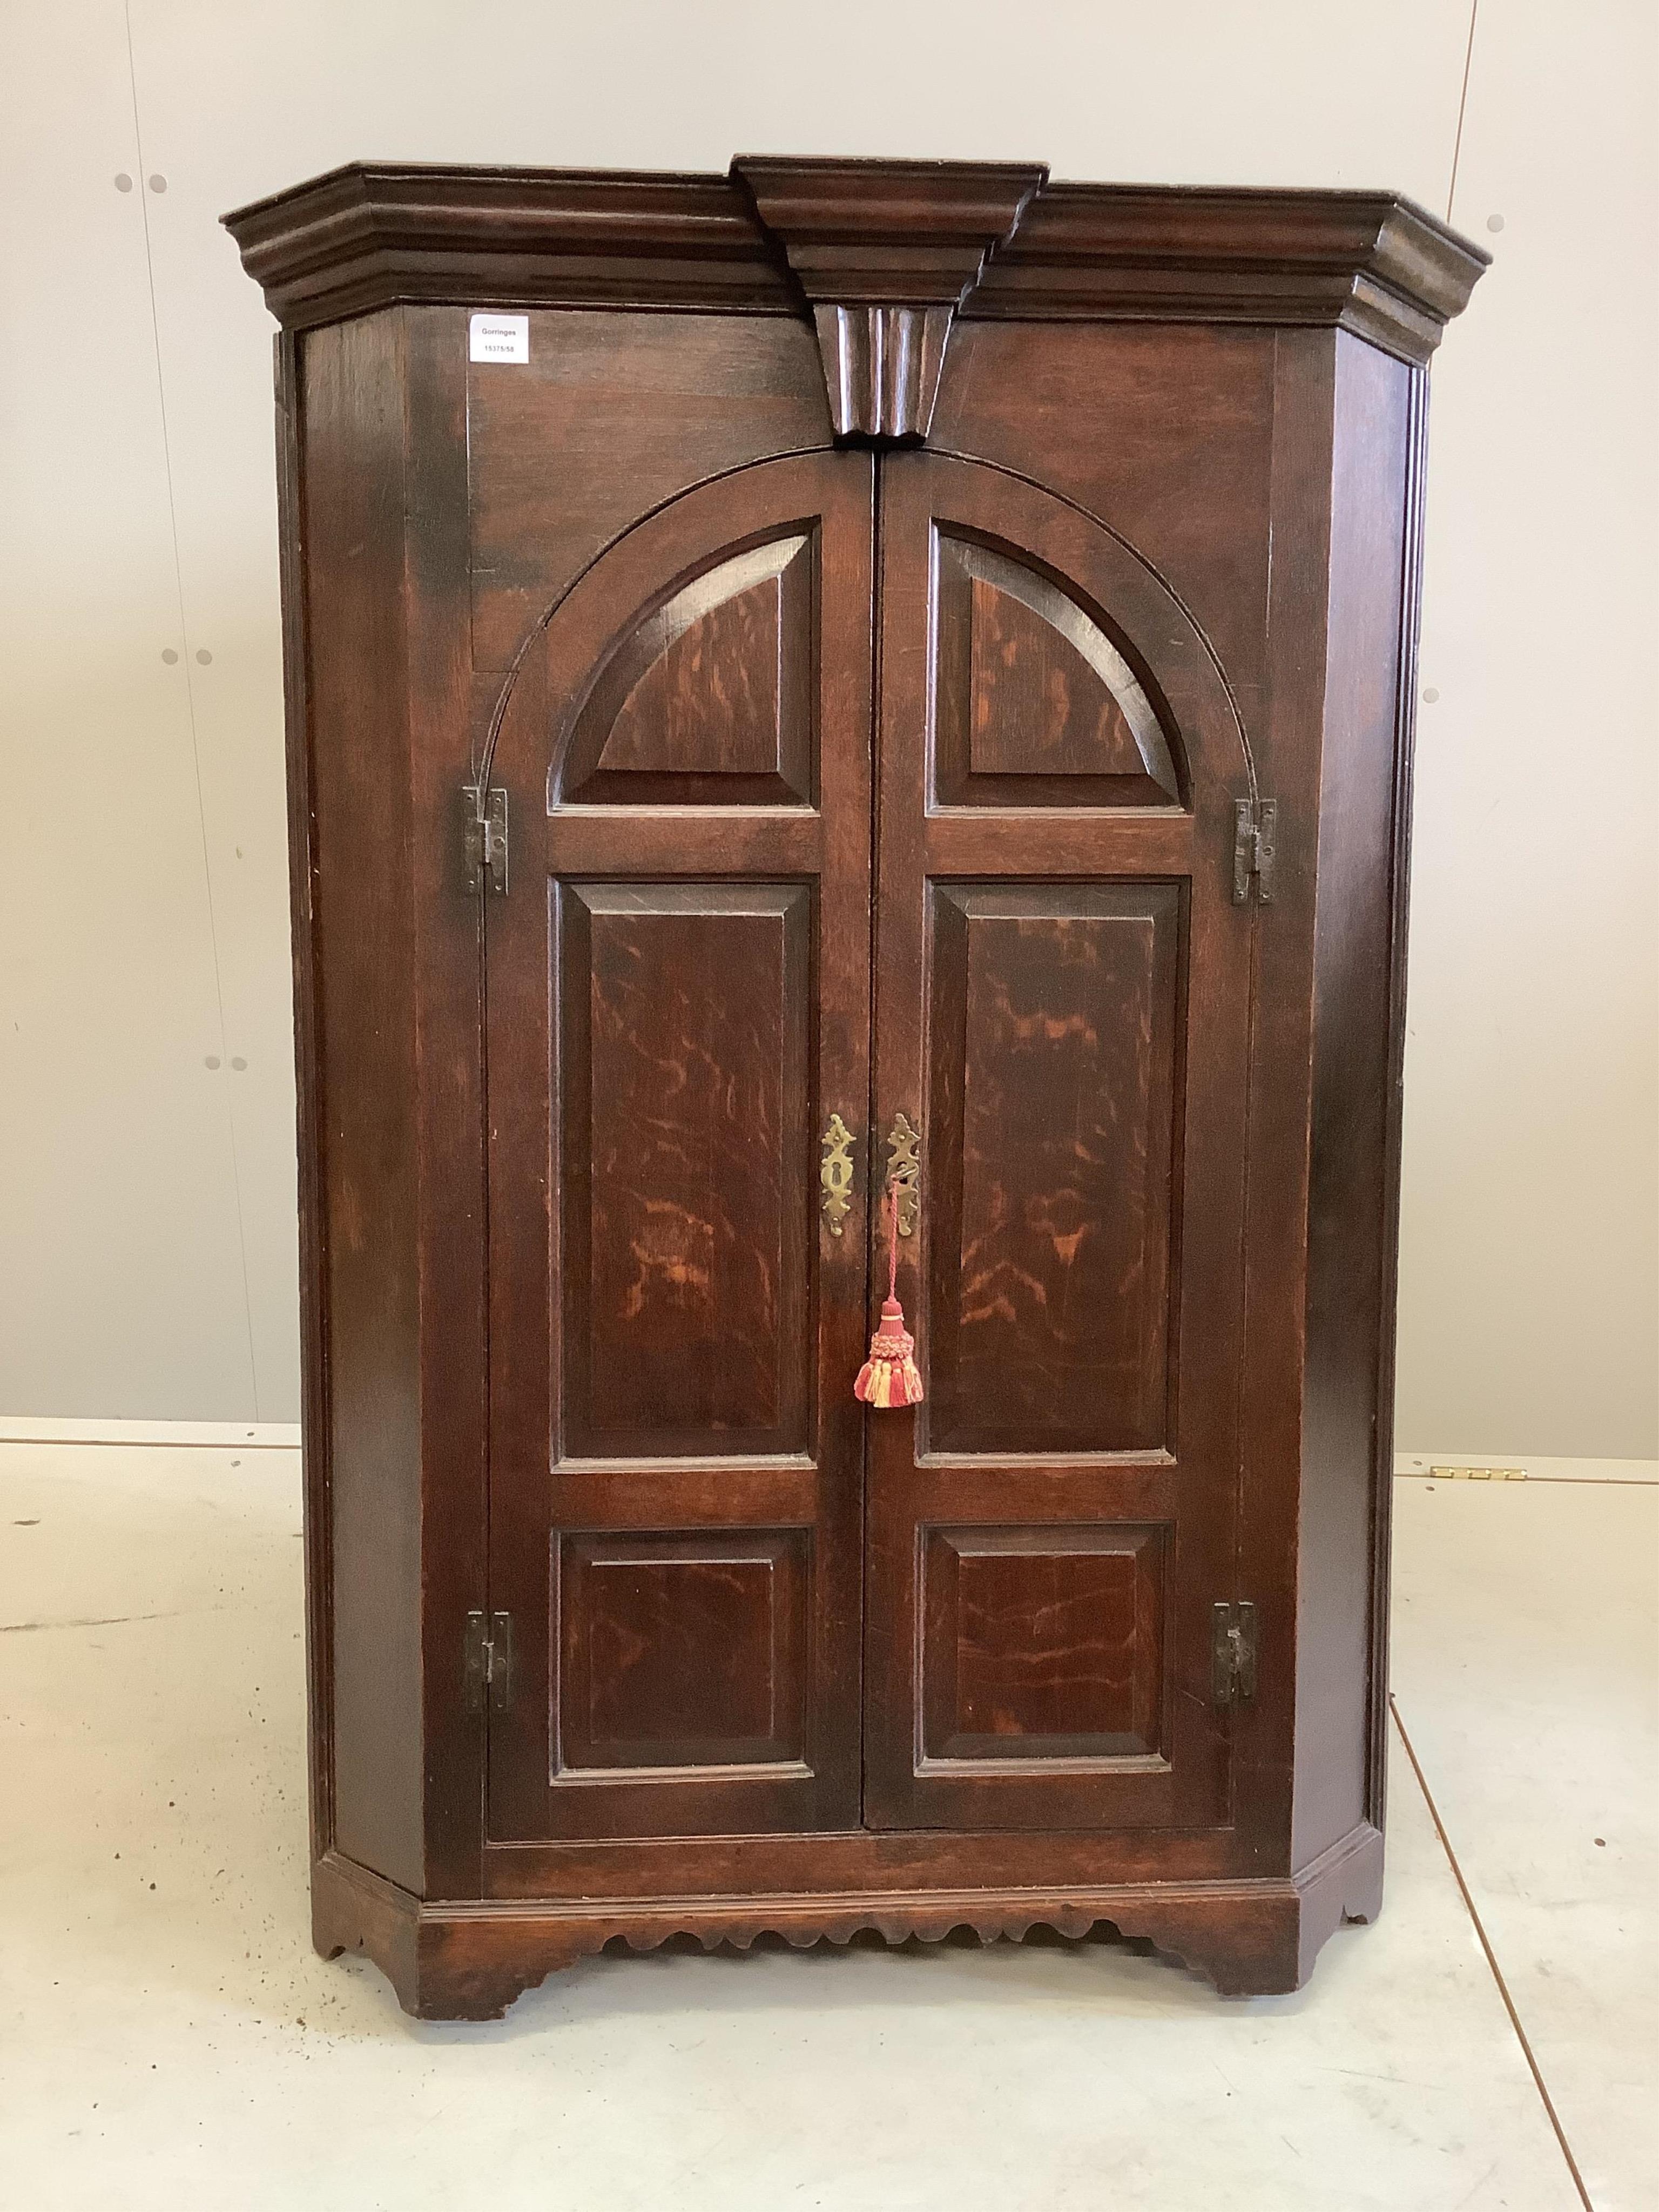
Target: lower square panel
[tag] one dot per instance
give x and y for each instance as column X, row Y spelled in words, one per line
column 1042, row 1643
column 680, row 1649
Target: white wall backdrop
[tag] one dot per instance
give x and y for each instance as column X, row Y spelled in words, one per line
column 147, row 1246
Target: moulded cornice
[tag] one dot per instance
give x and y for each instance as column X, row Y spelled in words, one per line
column 372, row 233
column 892, row 250
column 1372, row 262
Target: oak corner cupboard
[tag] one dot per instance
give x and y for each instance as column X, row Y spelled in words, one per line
column 841, row 679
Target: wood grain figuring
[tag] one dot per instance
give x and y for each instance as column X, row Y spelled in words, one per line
column 1051, row 1151
column 685, row 1166
column 1047, row 710
column 681, row 1651
column 1042, row 1643
column 710, row 699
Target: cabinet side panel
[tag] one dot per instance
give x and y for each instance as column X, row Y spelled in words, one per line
column 351, row 517
column 445, row 924
column 1347, row 1428
column 313, row 1354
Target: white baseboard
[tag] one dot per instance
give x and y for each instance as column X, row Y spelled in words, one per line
column 284, row 1435
column 252, row 1436
column 1533, row 1467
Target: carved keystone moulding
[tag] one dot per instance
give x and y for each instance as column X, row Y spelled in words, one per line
column 886, row 251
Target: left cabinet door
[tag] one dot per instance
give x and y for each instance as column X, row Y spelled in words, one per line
column 677, row 1000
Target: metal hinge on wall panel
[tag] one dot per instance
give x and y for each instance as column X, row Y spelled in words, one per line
column 483, row 837
column 1255, row 835
column 487, row 1661
column 1233, row 1652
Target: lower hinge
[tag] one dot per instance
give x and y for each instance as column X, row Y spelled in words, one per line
column 483, row 837
column 487, row 1661
column 1255, row 837
column 1233, row 1652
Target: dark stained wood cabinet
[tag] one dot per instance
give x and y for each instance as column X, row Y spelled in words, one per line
column 846, row 666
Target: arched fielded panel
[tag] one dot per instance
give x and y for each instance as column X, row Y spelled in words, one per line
column 710, row 698
column 1035, row 703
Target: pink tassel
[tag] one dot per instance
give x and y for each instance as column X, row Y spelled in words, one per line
column 890, row 1376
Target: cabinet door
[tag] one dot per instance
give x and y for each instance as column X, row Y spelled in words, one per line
column 1062, row 996
column 677, row 1001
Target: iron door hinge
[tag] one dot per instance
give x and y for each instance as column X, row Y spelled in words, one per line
column 483, row 837
column 487, row 1661
column 1255, row 838
column 1233, row 1652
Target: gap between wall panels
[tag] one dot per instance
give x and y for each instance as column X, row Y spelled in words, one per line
column 213, row 1435
column 143, row 184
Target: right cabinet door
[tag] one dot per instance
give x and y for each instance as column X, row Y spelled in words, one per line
column 1062, row 994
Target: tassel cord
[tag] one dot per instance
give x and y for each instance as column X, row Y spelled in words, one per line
column 890, row 1376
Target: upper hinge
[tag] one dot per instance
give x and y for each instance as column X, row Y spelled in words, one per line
column 1255, row 837
column 483, row 837
column 487, row 1661
column 1232, row 1651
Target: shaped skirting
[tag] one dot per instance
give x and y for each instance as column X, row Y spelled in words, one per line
column 468, row 1960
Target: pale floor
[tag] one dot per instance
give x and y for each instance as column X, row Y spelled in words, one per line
column 167, row 2036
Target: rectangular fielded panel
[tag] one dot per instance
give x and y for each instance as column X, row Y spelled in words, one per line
column 1054, row 1020
column 681, row 1650
column 685, row 1165
column 1042, row 1643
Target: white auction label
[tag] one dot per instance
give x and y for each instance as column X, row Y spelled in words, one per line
column 500, row 337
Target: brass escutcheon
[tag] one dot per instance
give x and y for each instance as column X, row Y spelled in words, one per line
column 836, row 1173
column 904, row 1172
